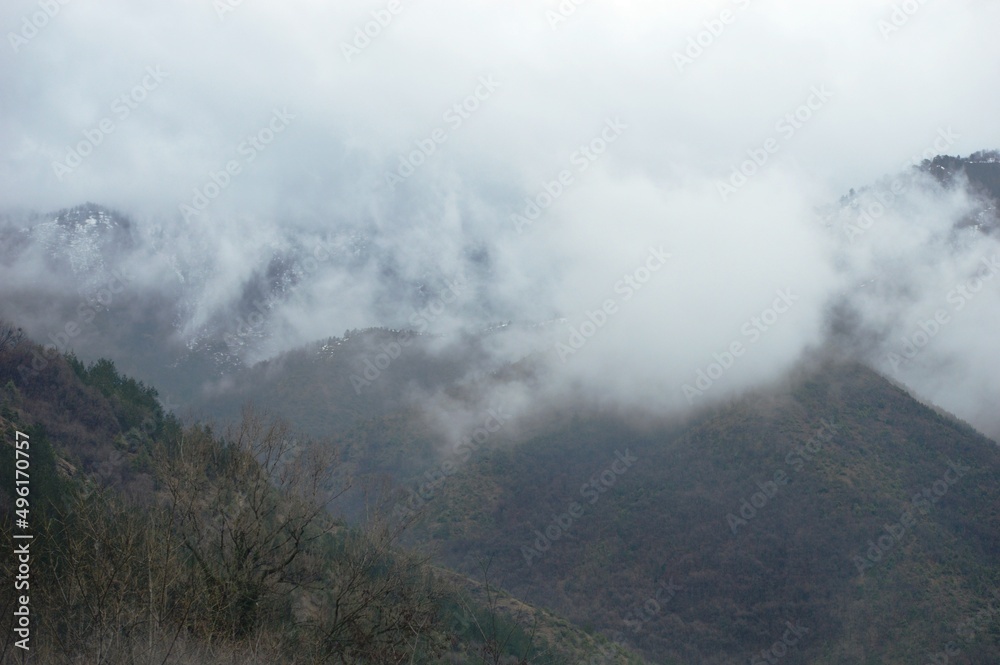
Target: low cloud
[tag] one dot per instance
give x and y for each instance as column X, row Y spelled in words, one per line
column 787, row 107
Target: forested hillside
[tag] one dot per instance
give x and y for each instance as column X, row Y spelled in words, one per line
column 156, row 541
column 836, row 502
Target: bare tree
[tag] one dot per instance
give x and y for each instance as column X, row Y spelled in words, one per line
column 234, row 559
column 247, row 509
column 496, row 640
column 91, row 597
column 10, row 336
column 376, row 604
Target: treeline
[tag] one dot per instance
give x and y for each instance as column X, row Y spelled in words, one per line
column 982, row 169
column 233, row 556
column 156, row 542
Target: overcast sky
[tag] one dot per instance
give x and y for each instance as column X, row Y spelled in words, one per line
column 499, row 98
column 226, row 70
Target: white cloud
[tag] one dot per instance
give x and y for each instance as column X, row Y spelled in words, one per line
column 657, row 184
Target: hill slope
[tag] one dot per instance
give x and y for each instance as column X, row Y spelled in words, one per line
column 838, row 503
column 153, row 542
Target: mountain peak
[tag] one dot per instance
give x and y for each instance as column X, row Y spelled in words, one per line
column 85, row 236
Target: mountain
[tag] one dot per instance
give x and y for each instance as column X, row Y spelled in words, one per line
column 685, row 526
column 978, row 175
column 157, row 541
column 181, row 306
column 981, row 169
column 836, row 503
column 832, row 514
column 78, row 242
column 86, row 238
column 190, row 308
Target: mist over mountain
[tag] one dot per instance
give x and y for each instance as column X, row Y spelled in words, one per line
column 899, row 277
column 332, row 190
column 479, row 251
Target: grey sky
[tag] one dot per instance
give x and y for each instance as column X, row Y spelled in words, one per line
column 871, row 84
column 226, row 74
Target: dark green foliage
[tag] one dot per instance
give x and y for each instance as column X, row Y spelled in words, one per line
column 157, row 543
column 666, row 518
